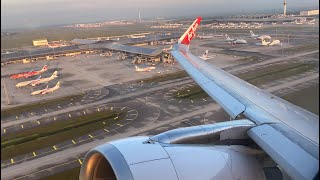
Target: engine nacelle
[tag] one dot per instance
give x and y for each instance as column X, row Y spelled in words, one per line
column 137, row 158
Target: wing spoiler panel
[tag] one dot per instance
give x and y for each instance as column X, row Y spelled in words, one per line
column 230, row 104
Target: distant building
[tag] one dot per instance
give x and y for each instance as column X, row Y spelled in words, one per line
column 309, row 13
column 40, row 42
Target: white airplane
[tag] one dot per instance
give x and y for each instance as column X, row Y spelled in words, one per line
column 39, row 91
column 260, row 37
column 218, row 35
column 45, row 80
column 205, row 36
column 259, row 24
column 147, row 69
column 312, row 21
column 299, row 21
column 206, row 56
column 268, row 43
column 275, row 42
column 25, row 83
column 172, row 41
column 57, row 86
column 167, row 49
column 7, row 52
column 268, row 138
column 107, row 54
column 46, row 90
column 136, row 36
column 235, row 41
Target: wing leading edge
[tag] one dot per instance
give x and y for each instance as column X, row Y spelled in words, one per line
column 296, row 128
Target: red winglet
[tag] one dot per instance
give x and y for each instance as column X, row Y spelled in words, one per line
column 190, row 33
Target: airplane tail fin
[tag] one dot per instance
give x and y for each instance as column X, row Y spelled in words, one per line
column 204, row 55
column 39, row 77
column 206, row 52
column 58, row 84
column 190, row 33
column 55, row 74
column 227, row 36
column 45, row 67
column 252, row 34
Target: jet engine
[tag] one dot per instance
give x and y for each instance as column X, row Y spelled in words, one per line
column 215, row 151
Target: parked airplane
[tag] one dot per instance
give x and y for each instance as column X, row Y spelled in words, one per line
column 45, row 80
column 299, row 21
column 206, row 56
column 235, row 41
column 268, row 43
column 7, row 52
column 274, row 139
column 167, row 49
column 218, row 35
column 25, row 83
column 205, row 36
column 260, row 37
column 46, row 90
column 147, row 69
column 57, row 86
column 29, row 74
column 107, row 54
column 39, row 91
column 172, row 41
column 136, row 36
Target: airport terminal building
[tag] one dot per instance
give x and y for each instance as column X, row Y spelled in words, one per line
column 40, row 42
column 309, row 13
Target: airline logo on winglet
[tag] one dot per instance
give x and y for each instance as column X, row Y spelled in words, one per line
column 190, row 33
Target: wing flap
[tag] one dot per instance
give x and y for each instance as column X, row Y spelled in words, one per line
column 289, row 155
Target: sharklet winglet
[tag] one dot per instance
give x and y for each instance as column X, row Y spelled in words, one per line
column 190, row 33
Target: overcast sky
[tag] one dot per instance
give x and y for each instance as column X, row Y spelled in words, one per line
column 35, row 13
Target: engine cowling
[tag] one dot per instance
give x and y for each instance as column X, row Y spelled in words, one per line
column 137, row 158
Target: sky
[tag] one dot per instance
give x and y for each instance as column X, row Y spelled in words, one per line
column 37, row 13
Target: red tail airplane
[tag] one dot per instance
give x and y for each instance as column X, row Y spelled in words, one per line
column 29, row 74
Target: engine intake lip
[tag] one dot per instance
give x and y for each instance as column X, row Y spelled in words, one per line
column 105, row 162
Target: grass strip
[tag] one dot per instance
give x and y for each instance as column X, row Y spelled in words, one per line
column 298, row 49
column 68, row 174
column 275, row 72
column 42, row 104
column 49, row 135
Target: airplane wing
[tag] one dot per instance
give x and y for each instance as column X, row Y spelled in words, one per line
column 287, row 133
